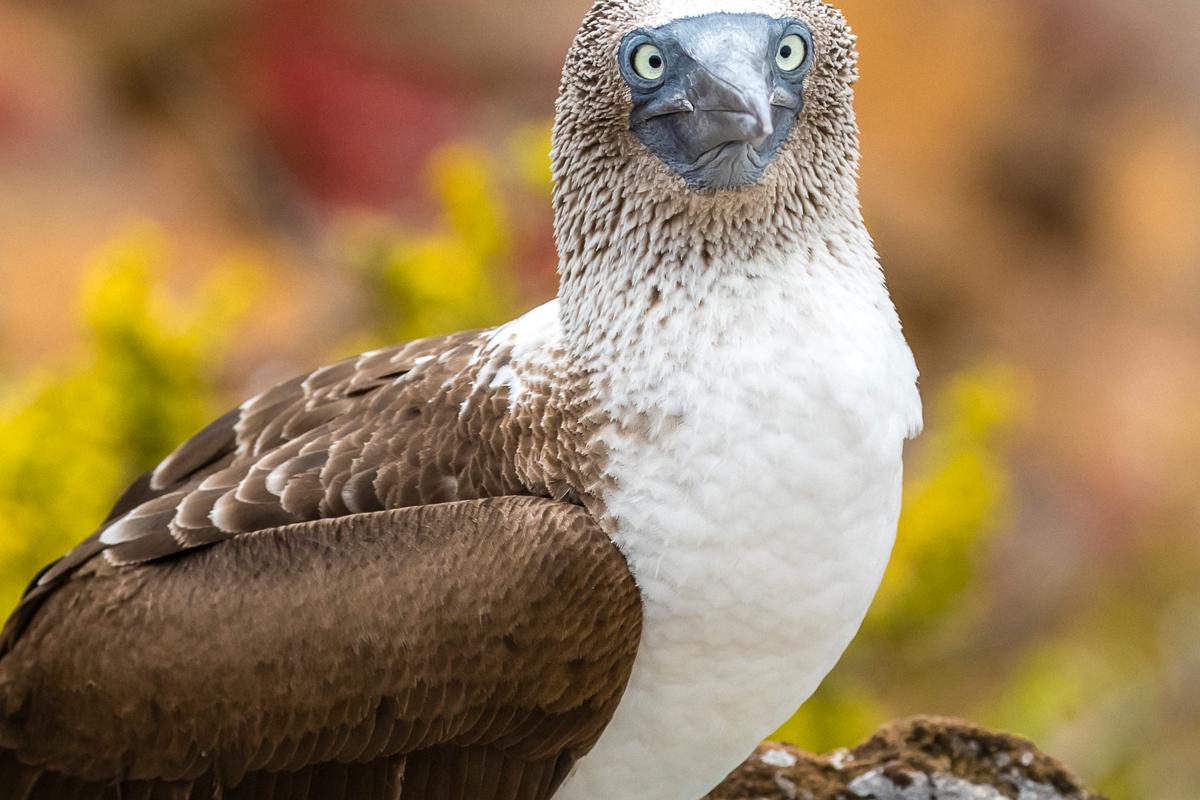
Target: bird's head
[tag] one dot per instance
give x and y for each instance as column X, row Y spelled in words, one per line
column 709, row 96
column 698, row 139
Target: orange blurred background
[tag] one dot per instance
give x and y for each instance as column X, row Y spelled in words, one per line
column 1031, row 174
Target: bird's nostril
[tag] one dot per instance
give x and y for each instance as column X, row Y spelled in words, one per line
column 763, row 118
column 763, row 128
column 757, row 127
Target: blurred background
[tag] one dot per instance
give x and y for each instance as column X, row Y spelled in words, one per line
column 203, row 197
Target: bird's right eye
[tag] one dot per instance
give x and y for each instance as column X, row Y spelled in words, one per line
column 649, row 63
column 793, row 52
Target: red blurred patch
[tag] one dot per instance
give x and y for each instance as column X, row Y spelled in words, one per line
column 354, row 129
column 10, row 113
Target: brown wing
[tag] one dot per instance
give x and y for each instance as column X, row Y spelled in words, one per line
column 462, row 651
column 395, row 428
column 389, row 429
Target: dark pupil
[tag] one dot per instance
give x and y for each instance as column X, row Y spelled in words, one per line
column 786, row 51
column 655, row 62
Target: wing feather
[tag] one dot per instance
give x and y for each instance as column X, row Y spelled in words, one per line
column 353, row 418
column 360, row 661
column 203, row 450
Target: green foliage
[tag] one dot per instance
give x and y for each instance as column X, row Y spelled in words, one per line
column 529, row 150
column 460, row 272
column 842, row 713
column 1105, row 707
column 457, row 275
column 143, row 381
column 958, row 497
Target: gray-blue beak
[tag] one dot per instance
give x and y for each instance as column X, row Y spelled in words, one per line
column 716, row 96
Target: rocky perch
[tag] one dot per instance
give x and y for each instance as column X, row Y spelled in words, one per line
column 924, row 758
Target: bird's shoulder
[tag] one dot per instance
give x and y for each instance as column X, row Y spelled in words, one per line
column 415, row 424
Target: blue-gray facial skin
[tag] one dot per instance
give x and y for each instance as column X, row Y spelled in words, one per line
column 714, row 97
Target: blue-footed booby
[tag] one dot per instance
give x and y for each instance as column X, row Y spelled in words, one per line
column 596, row 553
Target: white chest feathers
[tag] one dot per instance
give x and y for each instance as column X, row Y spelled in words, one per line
column 756, row 499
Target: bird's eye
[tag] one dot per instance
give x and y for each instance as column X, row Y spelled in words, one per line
column 793, row 51
column 648, row 62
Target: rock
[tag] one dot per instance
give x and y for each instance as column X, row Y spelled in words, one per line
column 925, row 758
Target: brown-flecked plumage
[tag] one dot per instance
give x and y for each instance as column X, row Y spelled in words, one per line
column 313, row 599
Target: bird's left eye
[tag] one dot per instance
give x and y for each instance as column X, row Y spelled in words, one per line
column 648, row 62
column 793, row 51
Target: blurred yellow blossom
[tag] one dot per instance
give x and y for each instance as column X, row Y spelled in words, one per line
column 530, row 148
column 458, row 274
column 142, row 382
column 958, row 496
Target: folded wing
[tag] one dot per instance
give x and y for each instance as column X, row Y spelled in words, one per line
column 461, row 650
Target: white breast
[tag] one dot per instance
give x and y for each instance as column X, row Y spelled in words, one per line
column 757, row 510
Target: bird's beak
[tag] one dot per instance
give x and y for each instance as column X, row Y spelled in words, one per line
column 732, row 106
